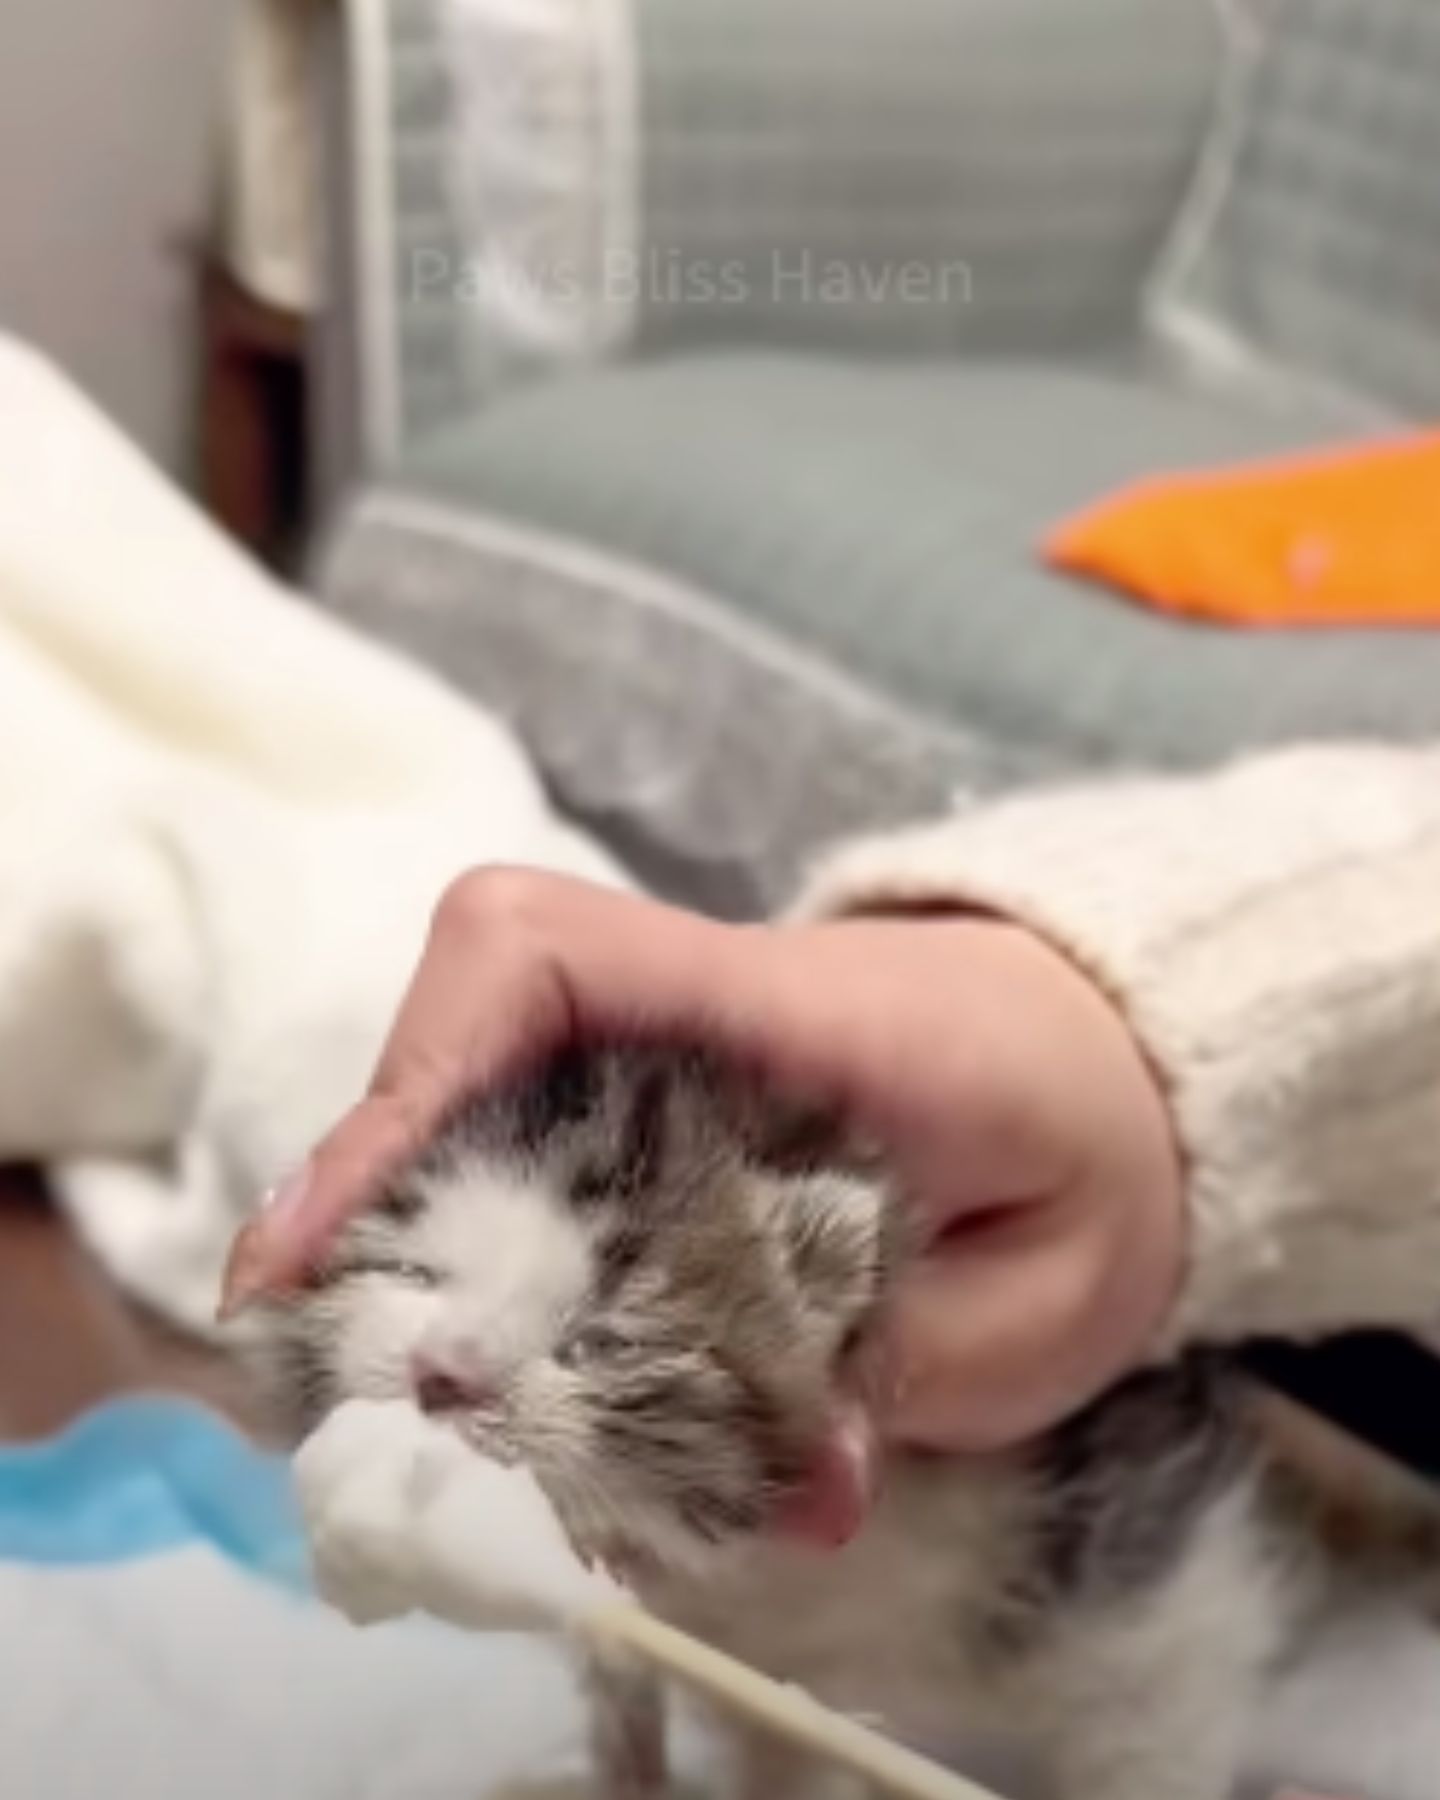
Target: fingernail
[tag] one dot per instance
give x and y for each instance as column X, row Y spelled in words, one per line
column 251, row 1266
column 244, row 1278
column 287, row 1196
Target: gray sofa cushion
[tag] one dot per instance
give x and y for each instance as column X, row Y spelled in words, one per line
column 739, row 605
column 886, row 517
column 1313, row 245
column 713, row 755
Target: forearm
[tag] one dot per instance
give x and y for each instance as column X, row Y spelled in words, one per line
column 1273, row 935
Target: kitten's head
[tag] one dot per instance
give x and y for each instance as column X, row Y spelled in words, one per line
column 638, row 1277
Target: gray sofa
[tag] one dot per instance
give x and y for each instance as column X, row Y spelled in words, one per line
column 717, row 366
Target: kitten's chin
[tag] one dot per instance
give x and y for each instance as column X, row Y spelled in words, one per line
column 833, row 1501
column 642, row 1545
column 639, row 1543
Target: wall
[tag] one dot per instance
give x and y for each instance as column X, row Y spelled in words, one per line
column 107, row 117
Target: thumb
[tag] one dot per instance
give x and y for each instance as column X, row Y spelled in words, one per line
column 980, row 1348
column 299, row 1217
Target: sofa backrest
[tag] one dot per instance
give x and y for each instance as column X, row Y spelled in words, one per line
column 534, row 185
column 1021, row 159
column 1312, row 251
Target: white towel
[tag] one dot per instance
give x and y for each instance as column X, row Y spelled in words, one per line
column 224, row 821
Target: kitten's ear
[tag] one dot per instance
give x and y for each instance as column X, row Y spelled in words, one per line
column 831, row 1232
column 793, row 1140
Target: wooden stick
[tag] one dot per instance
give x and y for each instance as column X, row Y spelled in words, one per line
column 788, row 1712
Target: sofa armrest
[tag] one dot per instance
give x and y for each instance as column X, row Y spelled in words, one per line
column 391, row 358
column 535, row 186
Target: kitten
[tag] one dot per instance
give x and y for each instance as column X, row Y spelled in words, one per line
column 649, row 1282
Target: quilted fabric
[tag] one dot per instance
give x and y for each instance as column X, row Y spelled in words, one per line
column 558, row 183
column 424, row 348
column 541, row 164
column 1021, row 162
column 1313, row 247
column 850, row 613
column 822, row 497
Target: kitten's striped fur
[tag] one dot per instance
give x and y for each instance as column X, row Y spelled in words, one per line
column 646, row 1278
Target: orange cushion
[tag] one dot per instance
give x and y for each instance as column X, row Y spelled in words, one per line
column 1349, row 537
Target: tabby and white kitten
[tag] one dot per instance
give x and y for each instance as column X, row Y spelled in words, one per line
column 647, row 1281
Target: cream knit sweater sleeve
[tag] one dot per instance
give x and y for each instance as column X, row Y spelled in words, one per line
column 1273, row 934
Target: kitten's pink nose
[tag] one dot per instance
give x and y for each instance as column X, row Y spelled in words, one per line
column 443, row 1387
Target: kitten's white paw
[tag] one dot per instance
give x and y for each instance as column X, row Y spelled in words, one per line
column 402, row 1517
column 355, row 1480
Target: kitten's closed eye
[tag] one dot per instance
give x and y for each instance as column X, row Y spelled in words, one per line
column 384, row 1268
column 595, row 1344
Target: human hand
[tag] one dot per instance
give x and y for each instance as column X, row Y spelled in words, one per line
column 1029, row 1134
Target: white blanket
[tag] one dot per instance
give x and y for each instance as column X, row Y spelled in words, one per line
column 224, row 821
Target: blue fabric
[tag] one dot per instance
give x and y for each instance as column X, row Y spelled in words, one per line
column 139, row 1477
